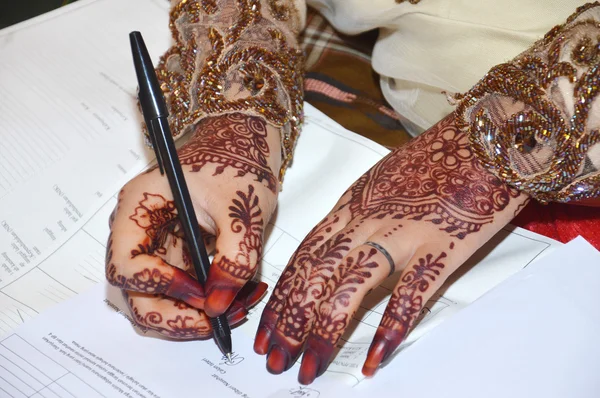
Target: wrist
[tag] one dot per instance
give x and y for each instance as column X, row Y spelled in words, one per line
column 243, row 143
column 439, row 178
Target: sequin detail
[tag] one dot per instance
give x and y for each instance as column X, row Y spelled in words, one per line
column 230, row 56
column 279, row 11
column 530, row 120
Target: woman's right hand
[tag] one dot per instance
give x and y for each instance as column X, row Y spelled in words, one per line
column 229, row 165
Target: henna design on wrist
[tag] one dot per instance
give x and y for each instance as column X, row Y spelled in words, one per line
column 403, row 309
column 235, row 141
column 436, row 178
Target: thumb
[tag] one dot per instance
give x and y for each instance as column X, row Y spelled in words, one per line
column 238, row 250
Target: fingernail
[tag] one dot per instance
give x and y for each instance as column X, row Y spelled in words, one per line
column 218, row 301
column 277, row 360
column 237, row 316
column 261, row 342
column 309, row 368
column 377, row 353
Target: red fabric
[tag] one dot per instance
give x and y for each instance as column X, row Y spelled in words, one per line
column 561, row 222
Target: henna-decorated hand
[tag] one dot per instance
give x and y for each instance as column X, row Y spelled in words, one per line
column 228, row 165
column 421, row 212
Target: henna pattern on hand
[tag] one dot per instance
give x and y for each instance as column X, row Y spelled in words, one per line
column 407, row 300
column 246, row 218
column 235, row 141
column 435, row 177
column 291, row 309
column 330, row 321
column 403, row 309
column 158, row 217
column 181, row 327
column 228, row 275
column 333, row 315
column 307, row 281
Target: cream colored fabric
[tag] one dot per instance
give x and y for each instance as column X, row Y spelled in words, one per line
column 442, row 45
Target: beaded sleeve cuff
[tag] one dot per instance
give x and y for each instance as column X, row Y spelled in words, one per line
column 235, row 56
column 534, row 121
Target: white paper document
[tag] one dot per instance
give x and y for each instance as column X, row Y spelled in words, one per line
column 69, row 139
column 534, row 335
column 84, row 348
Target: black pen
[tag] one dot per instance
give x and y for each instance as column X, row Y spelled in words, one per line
column 155, row 113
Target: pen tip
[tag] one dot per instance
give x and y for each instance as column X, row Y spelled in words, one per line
column 228, row 355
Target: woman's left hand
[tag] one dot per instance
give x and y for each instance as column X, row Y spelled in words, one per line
column 421, row 212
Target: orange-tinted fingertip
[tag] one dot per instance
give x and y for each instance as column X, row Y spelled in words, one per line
column 256, row 295
column 218, row 300
column 194, row 301
column 277, row 360
column 309, row 369
column 237, row 316
column 185, row 288
column 377, row 353
column 261, row 342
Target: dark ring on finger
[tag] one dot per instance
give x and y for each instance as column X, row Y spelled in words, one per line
column 385, row 253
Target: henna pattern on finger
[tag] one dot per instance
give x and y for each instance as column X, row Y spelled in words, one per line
column 158, row 217
column 403, row 309
column 407, row 300
column 333, row 315
column 246, row 218
column 228, row 274
column 435, row 178
column 312, row 240
column 234, row 141
column 310, row 286
column 303, row 268
column 293, row 314
column 148, row 280
column 181, row 327
column 332, row 319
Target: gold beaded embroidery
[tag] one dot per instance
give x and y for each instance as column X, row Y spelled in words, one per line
column 279, row 11
column 521, row 122
column 218, row 42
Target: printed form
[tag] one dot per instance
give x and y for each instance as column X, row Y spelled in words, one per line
column 59, row 194
column 70, row 138
column 533, row 335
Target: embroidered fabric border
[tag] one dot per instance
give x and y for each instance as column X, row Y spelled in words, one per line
column 235, row 56
column 532, row 121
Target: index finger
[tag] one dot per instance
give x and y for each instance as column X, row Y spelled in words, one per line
column 238, row 251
